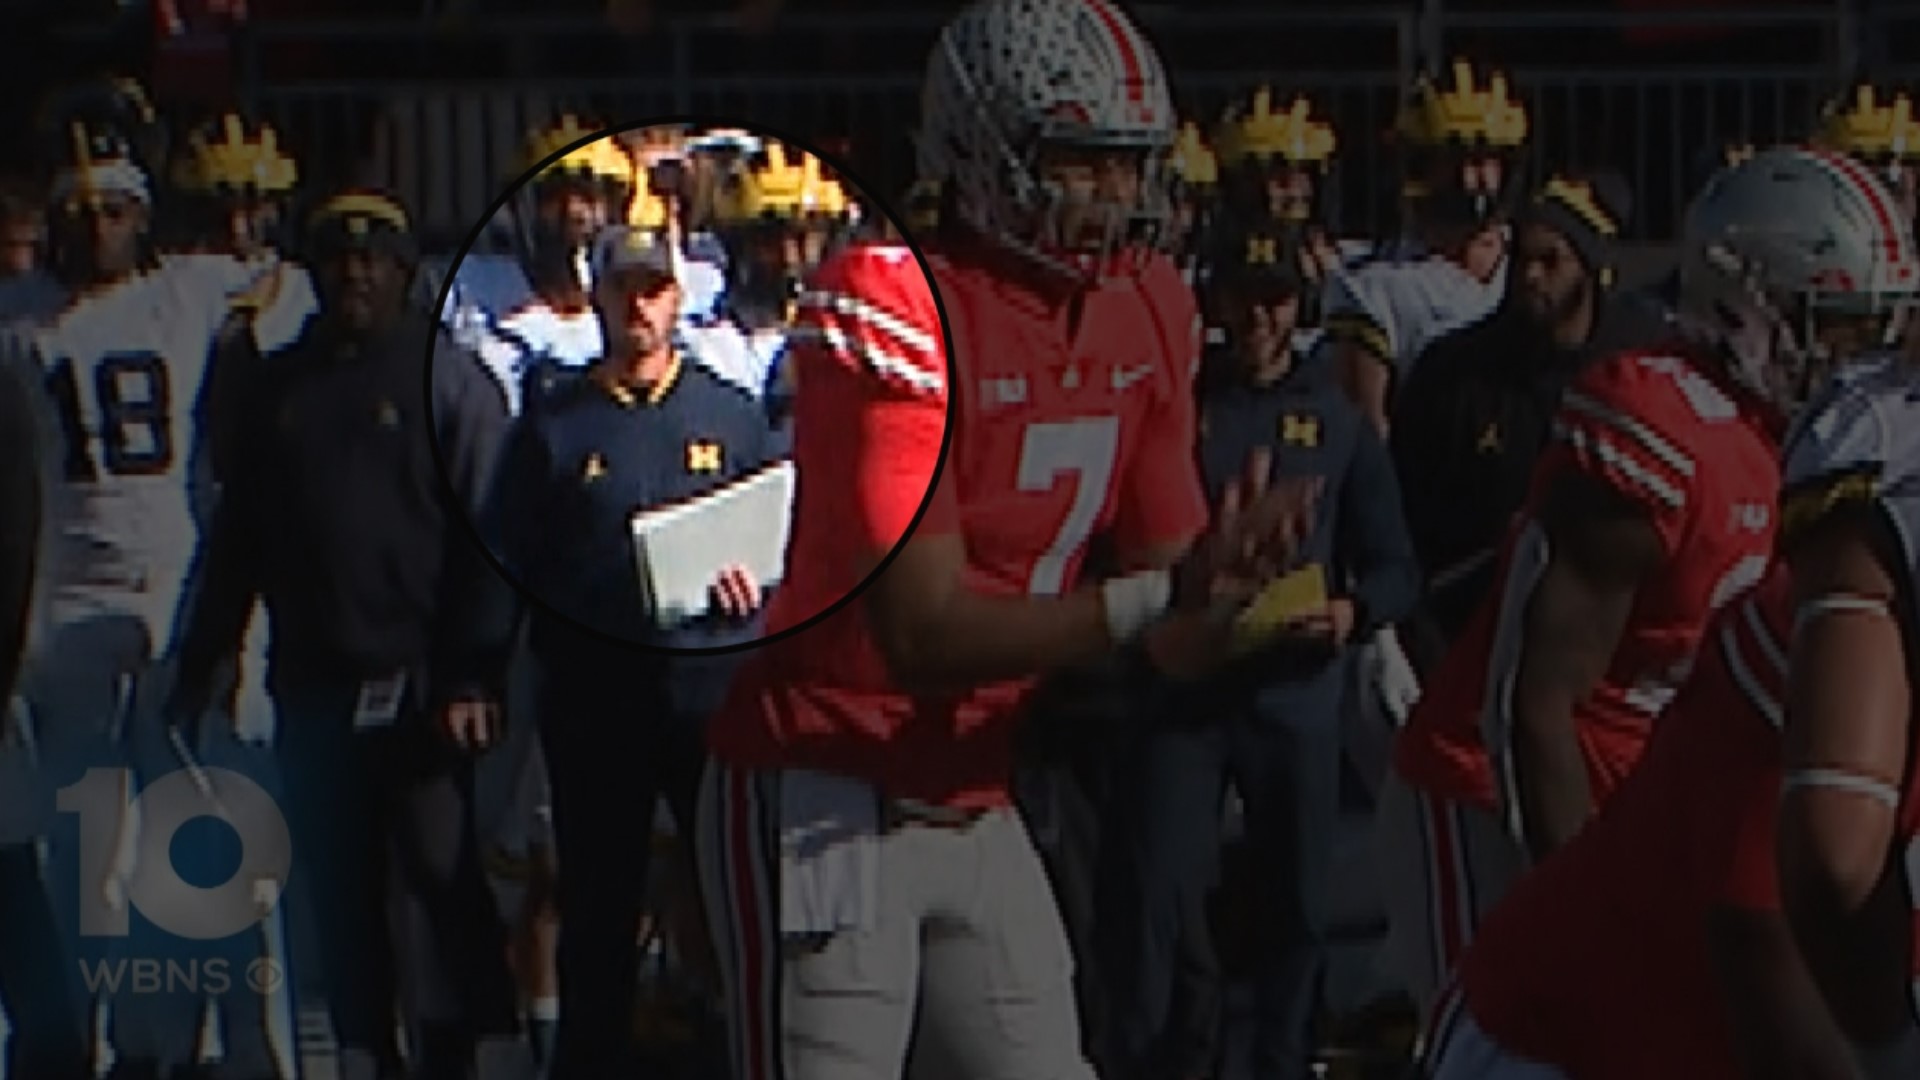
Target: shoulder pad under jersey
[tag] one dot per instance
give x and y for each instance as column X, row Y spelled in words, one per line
column 703, row 288
column 491, row 285
column 1353, row 308
column 1858, row 442
column 724, row 351
column 281, row 303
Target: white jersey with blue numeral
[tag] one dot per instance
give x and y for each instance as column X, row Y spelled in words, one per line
column 125, row 366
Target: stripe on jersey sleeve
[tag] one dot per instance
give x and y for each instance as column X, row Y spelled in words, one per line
column 1624, row 450
column 865, row 334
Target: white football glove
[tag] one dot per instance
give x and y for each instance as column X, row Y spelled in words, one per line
column 1390, row 676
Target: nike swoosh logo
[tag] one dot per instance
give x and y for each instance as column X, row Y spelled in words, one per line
column 1125, row 377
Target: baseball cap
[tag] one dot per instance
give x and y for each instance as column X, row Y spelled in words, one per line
column 637, row 252
column 1262, row 263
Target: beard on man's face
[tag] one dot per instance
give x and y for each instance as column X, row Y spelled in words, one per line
column 1549, row 306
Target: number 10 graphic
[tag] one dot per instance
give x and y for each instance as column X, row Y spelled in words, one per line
column 169, row 901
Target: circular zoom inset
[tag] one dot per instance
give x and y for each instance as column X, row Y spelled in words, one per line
column 688, row 328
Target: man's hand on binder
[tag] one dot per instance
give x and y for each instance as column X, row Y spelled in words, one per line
column 735, row 592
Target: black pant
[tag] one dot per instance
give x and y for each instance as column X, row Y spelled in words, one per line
column 1061, row 804
column 382, row 824
column 613, row 748
column 1281, row 749
column 37, row 977
column 1068, row 789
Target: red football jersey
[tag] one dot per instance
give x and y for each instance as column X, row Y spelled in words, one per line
column 1072, row 416
column 1701, row 459
column 1596, row 962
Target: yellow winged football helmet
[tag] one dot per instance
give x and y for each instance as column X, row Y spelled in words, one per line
column 1467, row 114
column 226, row 157
column 1261, row 133
column 602, row 159
column 1871, row 129
column 1193, row 161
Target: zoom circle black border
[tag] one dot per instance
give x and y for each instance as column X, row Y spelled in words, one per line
column 880, row 204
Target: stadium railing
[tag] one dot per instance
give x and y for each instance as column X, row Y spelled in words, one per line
column 444, row 136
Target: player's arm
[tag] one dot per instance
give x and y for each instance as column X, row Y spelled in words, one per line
column 1365, row 373
column 1848, row 733
column 1374, row 540
column 216, row 619
column 940, row 635
column 1600, row 547
column 1782, row 1029
column 469, row 425
column 512, row 524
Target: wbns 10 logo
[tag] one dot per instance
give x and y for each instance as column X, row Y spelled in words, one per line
column 126, row 853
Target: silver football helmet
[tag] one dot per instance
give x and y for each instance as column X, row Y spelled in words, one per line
column 1780, row 246
column 1009, row 79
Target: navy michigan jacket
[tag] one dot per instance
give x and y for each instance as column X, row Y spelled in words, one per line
column 1313, row 430
column 575, row 471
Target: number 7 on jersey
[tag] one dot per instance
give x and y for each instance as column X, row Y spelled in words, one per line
column 1086, row 448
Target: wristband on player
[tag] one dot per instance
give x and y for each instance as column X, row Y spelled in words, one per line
column 1897, row 1057
column 1131, row 603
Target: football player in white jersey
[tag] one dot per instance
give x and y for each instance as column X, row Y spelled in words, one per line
column 528, row 312
column 778, row 217
column 1848, row 833
column 232, row 185
column 125, row 362
column 1461, row 161
column 1462, row 167
column 1879, row 130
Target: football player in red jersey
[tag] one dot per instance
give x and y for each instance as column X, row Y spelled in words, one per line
column 1652, row 506
column 1654, row 944
column 870, row 885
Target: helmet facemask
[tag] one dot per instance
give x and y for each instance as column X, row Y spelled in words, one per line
column 1100, row 201
column 1783, row 345
column 1902, row 178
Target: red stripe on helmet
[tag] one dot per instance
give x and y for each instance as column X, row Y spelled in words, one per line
column 1129, row 59
column 1884, row 214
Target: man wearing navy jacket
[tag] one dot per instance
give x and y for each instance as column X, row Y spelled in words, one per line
column 620, row 720
column 1270, row 724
